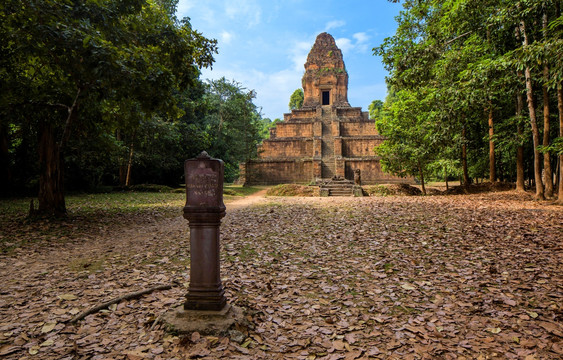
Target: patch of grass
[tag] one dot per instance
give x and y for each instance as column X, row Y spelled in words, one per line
column 85, row 264
column 391, row 189
column 293, row 190
column 145, row 199
column 100, row 204
column 239, row 190
column 84, row 209
column 124, row 203
column 15, row 207
column 377, row 190
column 247, row 253
column 150, row 188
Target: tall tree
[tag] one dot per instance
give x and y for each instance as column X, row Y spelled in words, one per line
column 375, row 109
column 533, row 120
column 548, row 174
column 61, row 58
column 466, row 53
column 296, row 99
column 233, row 122
column 410, row 141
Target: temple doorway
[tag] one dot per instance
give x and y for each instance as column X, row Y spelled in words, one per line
column 326, row 98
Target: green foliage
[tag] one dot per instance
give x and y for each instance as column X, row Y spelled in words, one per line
column 375, row 109
column 233, row 124
column 93, row 65
column 450, row 62
column 292, row 190
column 296, row 99
column 118, row 82
column 377, row 190
column 151, row 188
column 410, row 143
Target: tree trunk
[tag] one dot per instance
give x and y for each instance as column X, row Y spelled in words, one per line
column 5, row 171
column 492, row 170
column 51, row 191
column 122, row 166
column 51, row 164
column 520, row 150
column 446, row 177
column 546, row 155
column 464, row 159
column 421, row 173
column 130, row 161
column 533, row 122
column 129, row 166
column 560, row 106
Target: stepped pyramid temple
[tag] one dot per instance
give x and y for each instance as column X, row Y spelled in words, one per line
column 326, row 138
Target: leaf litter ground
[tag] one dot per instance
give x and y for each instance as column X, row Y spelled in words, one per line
column 443, row 277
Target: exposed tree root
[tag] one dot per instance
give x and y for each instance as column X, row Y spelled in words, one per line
column 128, row 296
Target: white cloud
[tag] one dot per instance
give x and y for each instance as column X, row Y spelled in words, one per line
column 201, row 9
column 360, row 43
column 344, row 44
column 184, row 6
column 334, row 24
column 247, row 11
column 299, row 54
column 226, row 37
column 361, row 37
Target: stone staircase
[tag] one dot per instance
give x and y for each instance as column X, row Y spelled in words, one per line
column 328, row 168
column 336, row 187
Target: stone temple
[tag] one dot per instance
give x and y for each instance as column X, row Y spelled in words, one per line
column 326, row 138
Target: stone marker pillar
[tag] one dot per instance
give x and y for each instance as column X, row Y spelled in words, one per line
column 357, row 189
column 204, row 210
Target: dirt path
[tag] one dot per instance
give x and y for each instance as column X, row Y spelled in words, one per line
column 252, row 199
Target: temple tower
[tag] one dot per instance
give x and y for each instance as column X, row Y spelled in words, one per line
column 326, row 138
column 325, row 81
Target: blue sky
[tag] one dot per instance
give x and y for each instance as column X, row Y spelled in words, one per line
column 263, row 44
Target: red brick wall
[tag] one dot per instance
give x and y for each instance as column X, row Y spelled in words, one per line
column 349, row 112
column 359, row 146
column 291, row 129
column 286, row 148
column 300, row 114
column 279, row 172
column 357, row 128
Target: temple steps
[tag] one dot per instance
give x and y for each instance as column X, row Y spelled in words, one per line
column 328, row 167
column 337, row 187
column 341, row 191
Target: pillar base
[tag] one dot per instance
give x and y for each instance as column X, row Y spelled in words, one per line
column 205, row 300
column 217, row 323
column 358, row 191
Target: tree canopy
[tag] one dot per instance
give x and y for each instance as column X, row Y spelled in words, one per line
column 296, row 99
column 99, row 88
column 458, row 71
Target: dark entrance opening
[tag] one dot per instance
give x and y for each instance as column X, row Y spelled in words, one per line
column 326, row 97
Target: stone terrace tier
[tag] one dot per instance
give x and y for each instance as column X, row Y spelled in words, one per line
column 295, row 152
